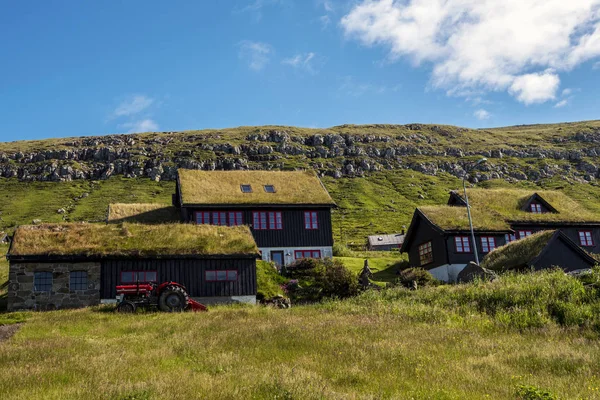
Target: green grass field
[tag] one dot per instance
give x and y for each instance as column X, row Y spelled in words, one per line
column 460, row 342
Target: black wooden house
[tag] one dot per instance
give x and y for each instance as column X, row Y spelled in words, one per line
column 439, row 237
column 288, row 212
column 76, row 265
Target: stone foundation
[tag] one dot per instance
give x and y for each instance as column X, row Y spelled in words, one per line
column 21, row 294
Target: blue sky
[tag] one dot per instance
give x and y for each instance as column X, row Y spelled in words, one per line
column 72, row 68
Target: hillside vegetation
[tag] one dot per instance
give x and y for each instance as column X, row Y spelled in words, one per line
column 521, row 334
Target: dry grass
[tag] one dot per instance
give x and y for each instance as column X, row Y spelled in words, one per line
column 142, row 213
column 518, row 253
column 494, row 209
column 397, row 344
column 132, row 239
column 223, row 187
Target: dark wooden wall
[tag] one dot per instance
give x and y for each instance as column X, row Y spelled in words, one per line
column 293, row 232
column 465, row 258
column 423, row 232
column 188, row 272
column 562, row 256
column 572, row 232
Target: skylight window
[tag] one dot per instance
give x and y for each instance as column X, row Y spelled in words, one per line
column 269, row 188
column 246, row 188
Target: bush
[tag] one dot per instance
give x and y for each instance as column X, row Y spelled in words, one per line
column 268, row 280
column 340, row 250
column 315, row 279
column 418, row 275
column 534, row 393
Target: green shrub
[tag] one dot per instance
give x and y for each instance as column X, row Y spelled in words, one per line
column 269, row 281
column 340, row 250
column 419, row 275
column 533, row 393
column 315, row 279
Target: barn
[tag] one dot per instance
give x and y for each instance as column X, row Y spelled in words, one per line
column 55, row 266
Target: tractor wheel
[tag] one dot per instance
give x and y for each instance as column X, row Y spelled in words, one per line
column 173, row 298
column 126, row 307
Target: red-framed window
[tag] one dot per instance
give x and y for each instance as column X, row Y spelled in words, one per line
column 425, row 253
column 229, row 275
column 202, row 218
column 138, row 276
column 524, row 234
column 535, row 208
column 488, row 243
column 463, row 245
column 585, row 238
column 235, row 218
column 230, row 218
column 298, row 254
column 263, row 220
column 510, row 237
column 310, row 220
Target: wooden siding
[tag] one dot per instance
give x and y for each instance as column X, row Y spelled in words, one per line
column 423, row 232
column 464, row 258
column 188, row 272
column 293, row 233
column 571, row 231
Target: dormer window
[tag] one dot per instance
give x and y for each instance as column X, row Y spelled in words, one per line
column 535, row 208
column 246, row 188
column 269, row 188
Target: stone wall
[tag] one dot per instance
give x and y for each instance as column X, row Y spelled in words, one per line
column 21, row 294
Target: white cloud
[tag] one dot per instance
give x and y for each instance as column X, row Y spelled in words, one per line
column 561, row 103
column 256, row 54
column 144, row 125
column 133, row 105
column 567, row 92
column 301, row 61
column 535, row 88
column 351, row 87
column 482, row 114
column 596, row 65
column 490, row 45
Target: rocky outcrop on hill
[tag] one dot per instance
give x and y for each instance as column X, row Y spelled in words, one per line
column 158, row 156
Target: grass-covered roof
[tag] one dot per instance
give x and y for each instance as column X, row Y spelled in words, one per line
column 100, row 240
column 224, row 187
column 518, row 253
column 142, row 213
column 495, row 209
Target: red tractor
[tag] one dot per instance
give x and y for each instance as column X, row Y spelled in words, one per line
column 168, row 296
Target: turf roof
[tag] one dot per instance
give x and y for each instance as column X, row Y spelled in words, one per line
column 100, row 240
column 224, row 187
column 518, row 253
column 142, row 213
column 495, row 209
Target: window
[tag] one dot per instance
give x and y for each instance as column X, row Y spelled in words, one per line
column 42, row 281
column 235, row 218
column 78, row 280
column 219, row 218
column 462, row 244
column 535, row 208
column 298, row 254
column 269, row 188
column 585, row 238
column 310, row 220
column 524, row 234
column 246, row 188
column 138, row 276
column 510, row 237
column 488, row 243
column 229, row 275
column 203, row 217
column 425, row 253
column 267, row 220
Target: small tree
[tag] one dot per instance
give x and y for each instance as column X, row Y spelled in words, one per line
column 322, row 278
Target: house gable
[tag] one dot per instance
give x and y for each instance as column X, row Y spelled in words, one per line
column 537, row 204
column 456, row 200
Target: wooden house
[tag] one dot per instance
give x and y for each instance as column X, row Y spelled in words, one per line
column 385, row 242
column 439, row 237
column 542, row 250
column 288, row 212
column 75, row 265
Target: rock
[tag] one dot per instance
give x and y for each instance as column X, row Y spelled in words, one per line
column 420, row 196
column 36, row 221
column 61, row 211
column 473, row 271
